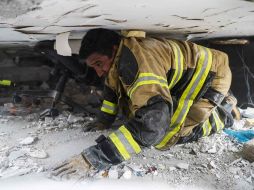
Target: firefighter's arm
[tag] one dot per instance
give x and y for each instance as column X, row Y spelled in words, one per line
column 108, row 111
column 109, row 106
column 147, row 128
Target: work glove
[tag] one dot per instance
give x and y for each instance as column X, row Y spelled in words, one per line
column 75, row 168
column 94, row 126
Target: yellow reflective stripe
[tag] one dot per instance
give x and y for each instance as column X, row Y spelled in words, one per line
column 218, row 122
column 5, row 82
column 178, row 65
column 107, row 111
column 209, row 128
column 204, row 128
column 146, row 79
column 109, row 103
column 120, row 147
column 130, row 139
column 109, row 107
column 190, row 93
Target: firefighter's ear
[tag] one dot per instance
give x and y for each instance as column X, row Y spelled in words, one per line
column 128, row 66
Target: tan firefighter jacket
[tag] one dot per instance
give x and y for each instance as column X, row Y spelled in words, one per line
column 156, row 81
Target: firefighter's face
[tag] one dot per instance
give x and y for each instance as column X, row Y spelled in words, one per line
column 101, row 63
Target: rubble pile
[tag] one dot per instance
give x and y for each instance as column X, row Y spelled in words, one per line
column 216, row 161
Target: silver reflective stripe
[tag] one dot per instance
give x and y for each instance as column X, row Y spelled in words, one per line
column 125, row 142
column 147, row 79
column 109, row 107
column 178, row 65
column 186, row 100
column 196, row 83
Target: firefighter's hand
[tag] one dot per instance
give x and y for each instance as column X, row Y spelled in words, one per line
column 76, row 167
column 94, row 126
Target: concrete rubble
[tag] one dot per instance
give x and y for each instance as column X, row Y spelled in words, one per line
column 248, row 150
column 39, row 144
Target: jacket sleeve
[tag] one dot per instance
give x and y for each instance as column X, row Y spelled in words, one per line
column 147, row 128
column 109, row 106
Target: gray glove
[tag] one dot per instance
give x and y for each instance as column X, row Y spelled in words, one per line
column 76, row 167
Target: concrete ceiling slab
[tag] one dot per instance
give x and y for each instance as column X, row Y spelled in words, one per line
column 182, row 18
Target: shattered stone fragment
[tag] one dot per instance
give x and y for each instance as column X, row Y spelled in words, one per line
column 127, row 174
column 182, row 165
column 41, row 154
column 172, row 168
column 28, row 140
column 212, row 165
column 137, row 170
column 248, row 151
column 212, row 150
column 16, row 154
column 113, row 173
column 73, row 119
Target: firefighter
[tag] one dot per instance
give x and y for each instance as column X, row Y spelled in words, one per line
column 171, row 91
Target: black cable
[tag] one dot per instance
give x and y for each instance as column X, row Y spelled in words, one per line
column 247, row 76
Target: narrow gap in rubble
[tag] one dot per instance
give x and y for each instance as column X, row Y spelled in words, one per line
column 116, row 21
column 222, row 12
column 88, row 25
column 92, row 16
column 189, row 32
column 21, row 27
column 186, row 18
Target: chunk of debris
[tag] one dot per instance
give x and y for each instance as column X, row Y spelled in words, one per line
column 74, row 119
column 182, row 165
column 248, row 150
column 28, row 140
column 172, row 168
column 137, row 170
column 127, row 173
column 113, row 173
column 37, row 153
column 212, row 165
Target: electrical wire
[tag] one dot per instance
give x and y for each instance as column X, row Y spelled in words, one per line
column 248, row 75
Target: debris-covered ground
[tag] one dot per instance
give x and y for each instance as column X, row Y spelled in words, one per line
column 31, row 147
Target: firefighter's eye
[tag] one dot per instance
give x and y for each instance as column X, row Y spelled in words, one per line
column 98, row 64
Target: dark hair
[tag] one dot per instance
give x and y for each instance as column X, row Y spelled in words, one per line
column 98, row 40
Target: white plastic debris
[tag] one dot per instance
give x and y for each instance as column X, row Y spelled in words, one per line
column 238, row 124
column 249, row 112
column 28, row 140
